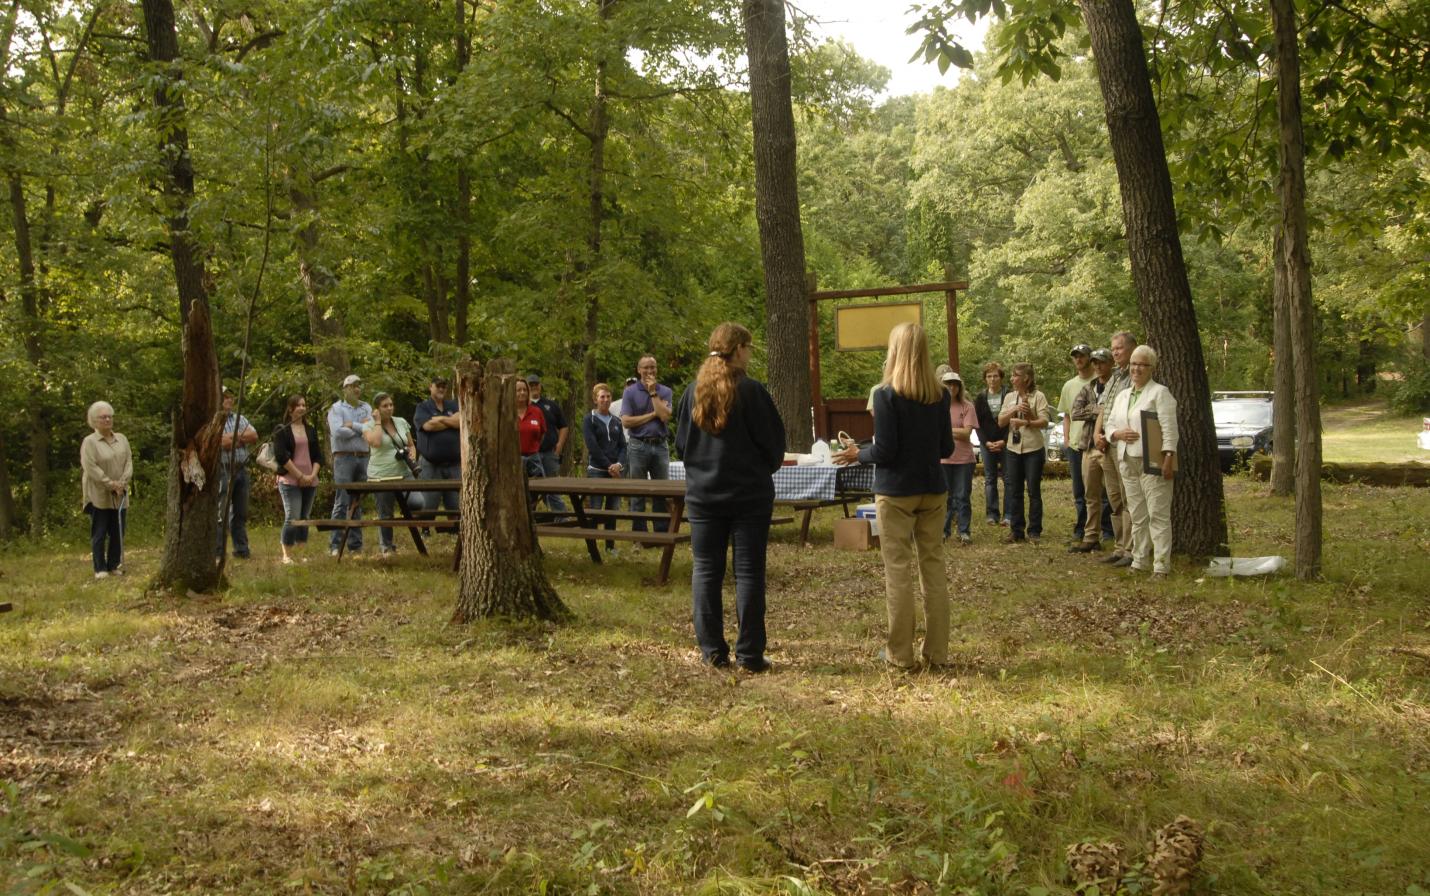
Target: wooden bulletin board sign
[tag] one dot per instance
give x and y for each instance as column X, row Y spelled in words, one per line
column 863, row 327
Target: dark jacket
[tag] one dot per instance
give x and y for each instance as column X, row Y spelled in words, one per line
column 988, row 428
column 909, row 441
column 283, row 446
column 728, row 474
column 605, row 443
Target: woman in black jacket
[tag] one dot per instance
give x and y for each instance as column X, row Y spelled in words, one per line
column 605, row 450
column 732, row 441
column 912, row 434
column 298, row 451
column 992, row 439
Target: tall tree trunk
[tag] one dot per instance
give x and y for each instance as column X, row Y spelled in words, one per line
column 1164, row 297
column 777, row 211
column 501, row 572
column 435, row 295
column 324, row 328
column 191, row 529
column 1283, row 407
column 462, row 297
column 1292, row 194
column 37, row 418
column 7, row 495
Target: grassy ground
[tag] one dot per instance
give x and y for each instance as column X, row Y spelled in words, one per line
column 320, row 729
column 1367, row 432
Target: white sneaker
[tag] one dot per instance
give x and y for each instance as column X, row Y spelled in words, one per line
column 101, row 575
column 288, row 561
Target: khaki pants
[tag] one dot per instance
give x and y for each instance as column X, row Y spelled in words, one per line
column 1110, row 479
column 1149, row 500
column 911, row 542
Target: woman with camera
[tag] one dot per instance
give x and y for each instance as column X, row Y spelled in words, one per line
column 911, row 436
column 1025, row 413
column 393, row 458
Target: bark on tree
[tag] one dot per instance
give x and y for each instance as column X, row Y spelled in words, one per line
column 777, row 212
column 191, row 529
column 1297, row 265
column 324, row 328
column 1159, row 272
column 1283, row 408
column 501, row 572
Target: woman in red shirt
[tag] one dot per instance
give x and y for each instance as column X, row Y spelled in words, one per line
column 530, row 427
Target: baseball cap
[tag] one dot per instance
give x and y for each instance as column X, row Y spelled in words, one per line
column 533, row 380
column 630, row 379
column 227, row 390
column 1101, row 354
column 1082, row 348
column 951, row 376
column 440, row 380
column 940, row 370
column 352, row 379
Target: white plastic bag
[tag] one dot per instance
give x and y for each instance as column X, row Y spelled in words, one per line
column 1245, row 566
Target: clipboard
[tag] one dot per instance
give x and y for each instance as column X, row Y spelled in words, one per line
column 1152, row 445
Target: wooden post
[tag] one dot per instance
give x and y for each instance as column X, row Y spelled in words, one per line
column 821, row 423
column 500, row 572
column 950, row 304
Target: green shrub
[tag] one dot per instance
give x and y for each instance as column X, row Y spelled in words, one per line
column 1411, row 394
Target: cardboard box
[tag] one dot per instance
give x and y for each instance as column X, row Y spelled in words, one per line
column 855, row 534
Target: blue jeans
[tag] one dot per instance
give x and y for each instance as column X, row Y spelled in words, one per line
column 106, row 537
column 551, row 466
column 648, row 461
column 995, row 470
column 385, row 502
column 1074, row 459
column 710, row 540
column 604, row 502
column 1025, row 469
column 237, row 510
column 444, row 500
column 959, row 480
column 297, row 504
column 347, row 468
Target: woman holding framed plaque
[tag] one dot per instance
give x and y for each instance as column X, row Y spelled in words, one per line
column 1142, row 426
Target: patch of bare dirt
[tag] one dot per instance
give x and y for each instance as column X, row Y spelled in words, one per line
column 1172, row 622
column 49, row 736
column 288, row 630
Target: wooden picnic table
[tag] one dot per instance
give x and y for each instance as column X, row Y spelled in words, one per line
column 585, row 523
column 409, row 520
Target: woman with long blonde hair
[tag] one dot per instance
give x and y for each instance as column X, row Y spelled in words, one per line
column 911, row 436
column 732, row 441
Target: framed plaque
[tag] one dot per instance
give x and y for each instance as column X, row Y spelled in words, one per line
column 1152, row 445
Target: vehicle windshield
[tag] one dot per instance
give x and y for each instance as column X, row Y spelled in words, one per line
column 1242, row 413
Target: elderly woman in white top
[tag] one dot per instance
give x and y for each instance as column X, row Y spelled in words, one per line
column 1149, row 494
column 108, row 466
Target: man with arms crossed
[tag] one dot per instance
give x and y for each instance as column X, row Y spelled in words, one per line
column 439, row 442
column 645, row 408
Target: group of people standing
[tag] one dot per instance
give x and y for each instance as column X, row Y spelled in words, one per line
column 732, row 441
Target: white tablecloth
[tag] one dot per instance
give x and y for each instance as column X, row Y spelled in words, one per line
column 811, row 482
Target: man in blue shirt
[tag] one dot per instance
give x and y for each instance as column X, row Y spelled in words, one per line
column 349, row 456
column 439, row 442
column 238, row 434
column 645, row 408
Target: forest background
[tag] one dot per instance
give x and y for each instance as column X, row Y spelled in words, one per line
column 394, row 186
